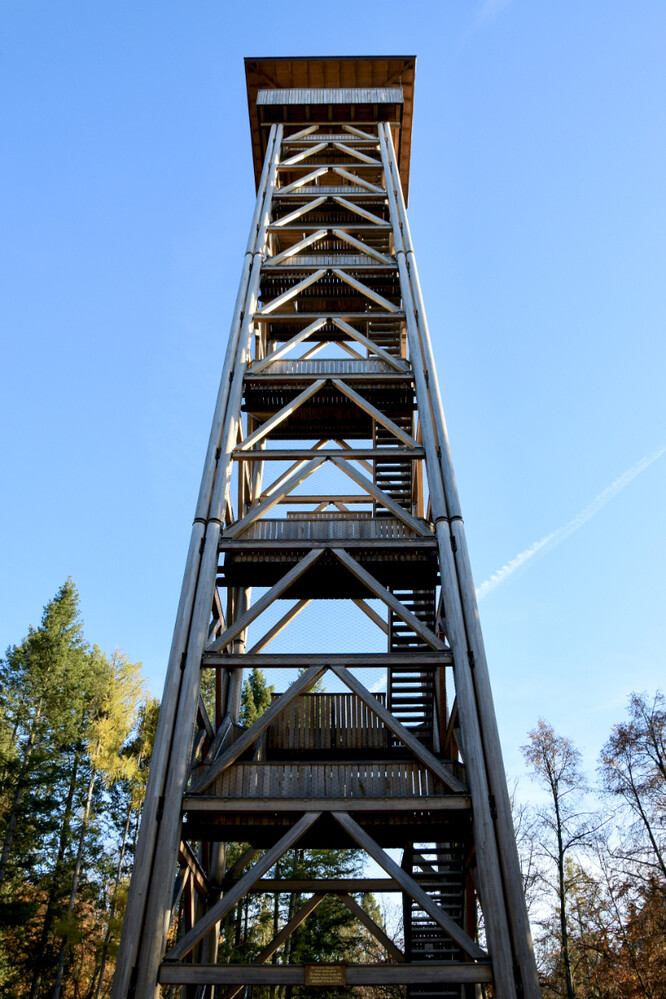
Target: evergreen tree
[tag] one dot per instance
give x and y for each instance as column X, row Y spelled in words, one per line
column 66, row 718
column 256, row 697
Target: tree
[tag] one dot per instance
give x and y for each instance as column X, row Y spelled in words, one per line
column 633, row 773
column 126, row 800
column 256, row 697
column 38, row 696
column 106, row 729
column 66, row 714
column 563, row 827
column 632, row 768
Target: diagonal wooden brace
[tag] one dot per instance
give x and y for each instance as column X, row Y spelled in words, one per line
column 282, row 415
column 409, row 886
column 218, row 911
column 398, row 511
column 372, row 411
column 304, row 682
column 417, row 748
column 258, row 511
column 380, row 591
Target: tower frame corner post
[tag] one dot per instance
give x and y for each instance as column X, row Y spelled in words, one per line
column 328, row 377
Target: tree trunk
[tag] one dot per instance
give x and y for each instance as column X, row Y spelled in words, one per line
column 75, row 884
column 563, row 900
column 112, row 905
column 51, row 903
column 18, row 797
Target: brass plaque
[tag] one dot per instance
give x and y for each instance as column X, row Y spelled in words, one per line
column 325, row 974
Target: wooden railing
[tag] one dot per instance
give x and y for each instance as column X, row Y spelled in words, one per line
column 325, row 366
column 321, row 528
column 328, row 721
column 392, row 779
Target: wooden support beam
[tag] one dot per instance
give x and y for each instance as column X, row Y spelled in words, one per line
column 188, row 859
column 244, row 620
column 220, row 739
column 373, row 615
column 431, row 972
column 411, row 742
column 218, row 911
column 372, row 926
column 301, row 182
column 350, row 453
column 304, row 209
column 372, row 411
column 354, row 457
column 415, row 804
column 305, row 154
column 259, row 366
column 283, row 414
column 241, row 863
column 258, row 511
column 362, row 157
column 380, row 591
column 291, row 251
column 277, row 941
column 358, row 181
column 288, row 456
column 350, row 350
column 286, row 296
column 303, row 885
column 363, row 212
column 279, row 626
column 419, row 528
column 202, row 716
column 357, row 132
column 211, row 772
column 374, row 296
column 409, row 886
column 395, row 362
column 289, row 317
column 267, row 660
column 364, row 248
column 300, row 135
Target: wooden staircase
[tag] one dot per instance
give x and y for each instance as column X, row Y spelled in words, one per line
column 440, row 870
column 411, row 690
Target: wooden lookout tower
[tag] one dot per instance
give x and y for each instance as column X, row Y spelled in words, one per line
column 328, row 495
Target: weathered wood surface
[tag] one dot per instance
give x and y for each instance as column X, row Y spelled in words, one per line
column 328, row 722
column 394, row 952
column 410, row 886
column 368, row 974
column 269, row 660
column 241, row 888
column 387, row 805
column 324, row 884
column 324, row 527
column 208, row 773
column 341, row 781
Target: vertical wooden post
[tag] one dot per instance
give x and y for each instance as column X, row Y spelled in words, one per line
column 203, row 546
column 461, row 569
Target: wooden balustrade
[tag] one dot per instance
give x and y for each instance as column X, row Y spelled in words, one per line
column 383, row 779
column 339, row 721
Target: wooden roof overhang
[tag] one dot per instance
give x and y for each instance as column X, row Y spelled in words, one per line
column 332, row 88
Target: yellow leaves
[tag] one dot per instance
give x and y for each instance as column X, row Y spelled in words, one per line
column 116, row 715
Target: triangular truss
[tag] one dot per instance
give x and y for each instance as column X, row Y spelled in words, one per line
column 329, row 386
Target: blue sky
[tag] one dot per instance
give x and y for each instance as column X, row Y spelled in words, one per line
column 538, row 213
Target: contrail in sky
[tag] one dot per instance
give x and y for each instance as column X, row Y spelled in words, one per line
column 557, row 537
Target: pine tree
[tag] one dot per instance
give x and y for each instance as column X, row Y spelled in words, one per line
column 256, row 697
column 66, row 714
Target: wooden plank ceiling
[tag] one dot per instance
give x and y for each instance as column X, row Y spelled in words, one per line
column 332, row 71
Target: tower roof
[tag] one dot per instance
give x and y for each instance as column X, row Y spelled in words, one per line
column 362, row 77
